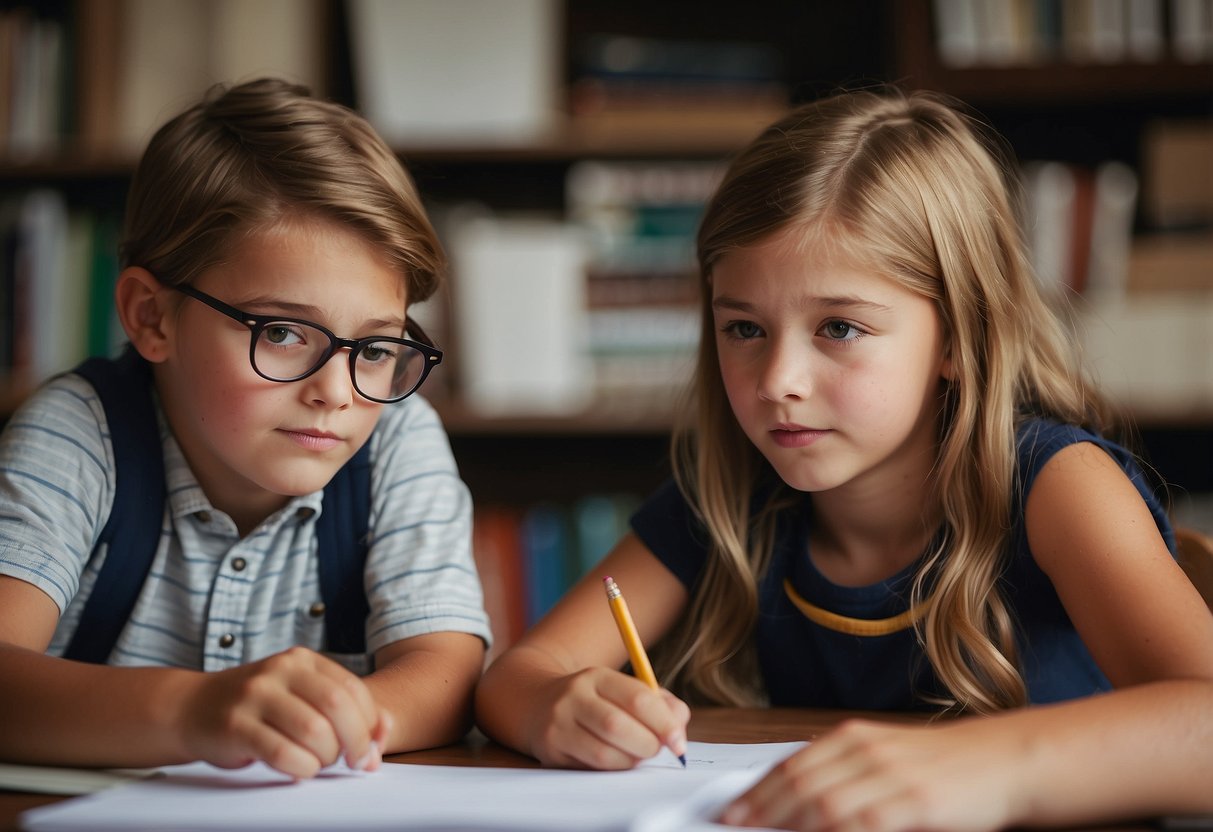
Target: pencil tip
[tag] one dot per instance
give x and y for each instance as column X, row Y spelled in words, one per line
column 682, row 758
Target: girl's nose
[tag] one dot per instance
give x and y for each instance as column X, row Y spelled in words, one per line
column 785, row 373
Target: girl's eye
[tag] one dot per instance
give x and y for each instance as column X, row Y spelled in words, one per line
column 742, row 330
column 837, row 330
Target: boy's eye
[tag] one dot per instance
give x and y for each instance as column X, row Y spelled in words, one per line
column 378, row 353
column 281, row 334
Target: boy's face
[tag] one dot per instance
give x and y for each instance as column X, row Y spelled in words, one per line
column 253, row 443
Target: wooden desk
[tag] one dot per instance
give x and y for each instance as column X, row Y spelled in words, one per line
column 707, row 725
column 732, row 725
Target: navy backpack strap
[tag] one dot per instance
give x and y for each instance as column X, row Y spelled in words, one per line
column 341, row 532
column 133, row 529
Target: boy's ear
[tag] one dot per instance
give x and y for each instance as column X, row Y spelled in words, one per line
column 143, row 308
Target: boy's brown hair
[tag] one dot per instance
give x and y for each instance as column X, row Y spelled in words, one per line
column 251, row 156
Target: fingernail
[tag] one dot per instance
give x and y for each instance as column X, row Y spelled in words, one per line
column 736, row 814
column 368, row 761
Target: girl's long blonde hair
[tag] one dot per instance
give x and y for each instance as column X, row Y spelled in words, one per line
column 913, row 187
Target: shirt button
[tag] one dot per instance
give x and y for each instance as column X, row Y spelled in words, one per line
column 202, row 516
column 238, row 564
column 227, row 640
column 316, row 610
column 305, row 512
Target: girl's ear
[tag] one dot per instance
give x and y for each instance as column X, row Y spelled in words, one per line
column 946, row 368
column 143, row 308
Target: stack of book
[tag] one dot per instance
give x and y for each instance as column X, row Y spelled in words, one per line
column 629, row 86
column 529, row 556
column 642, row 290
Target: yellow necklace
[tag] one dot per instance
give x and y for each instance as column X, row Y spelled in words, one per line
column 856, row 626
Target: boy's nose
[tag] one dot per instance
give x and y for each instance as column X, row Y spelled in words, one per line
column 332, row 385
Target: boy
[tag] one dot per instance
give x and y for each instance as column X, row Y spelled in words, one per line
column 272, row 246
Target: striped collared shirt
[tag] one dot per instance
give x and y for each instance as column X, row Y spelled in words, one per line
column 213, row 600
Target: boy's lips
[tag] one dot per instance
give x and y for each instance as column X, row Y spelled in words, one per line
column 316, row 440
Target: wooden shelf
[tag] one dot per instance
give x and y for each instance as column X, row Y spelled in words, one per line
column 1062, row 83
column 601, row 419
column 1048, row 83
column 630, row 136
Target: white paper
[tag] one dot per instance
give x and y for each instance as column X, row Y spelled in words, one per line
column 654, row 797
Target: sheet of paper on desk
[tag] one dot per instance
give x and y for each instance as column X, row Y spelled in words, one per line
column 652, row 798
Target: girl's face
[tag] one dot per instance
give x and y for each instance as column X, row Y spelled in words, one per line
column 253, row 443
column 833, row 371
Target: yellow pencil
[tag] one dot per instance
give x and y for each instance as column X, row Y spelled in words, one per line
column 641, row 666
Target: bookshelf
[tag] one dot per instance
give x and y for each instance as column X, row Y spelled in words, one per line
column 1079, row 112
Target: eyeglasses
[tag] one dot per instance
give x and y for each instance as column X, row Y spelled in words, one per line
column 383, row 369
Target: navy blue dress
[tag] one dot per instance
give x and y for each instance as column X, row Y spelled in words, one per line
column 806, row 665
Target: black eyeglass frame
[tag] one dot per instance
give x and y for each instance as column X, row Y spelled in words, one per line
column 258, row 323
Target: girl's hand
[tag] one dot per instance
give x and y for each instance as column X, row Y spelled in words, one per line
column 881, row 778
column 603, row 719
column 297, row 711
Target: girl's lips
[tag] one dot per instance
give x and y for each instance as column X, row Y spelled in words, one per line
column 313, row 440
column 796, row 436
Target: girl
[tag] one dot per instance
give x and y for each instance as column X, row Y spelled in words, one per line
column 896, row 492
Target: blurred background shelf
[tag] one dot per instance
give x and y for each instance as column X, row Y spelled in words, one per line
column 585, row 135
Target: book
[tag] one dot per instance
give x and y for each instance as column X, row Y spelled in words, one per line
column 640, row 219
column 497, row 545
column 97, row 41
column 547, row 553
column 1192, row 30
column 172, row 51
column 1050, row 194
column 105, row 333
column 1171, row 263
column 1115, row 205
column 600, row 521
column 43, row 345
column 474, row 72
column 1177, row 174
column 519, row 324
column 158, row 76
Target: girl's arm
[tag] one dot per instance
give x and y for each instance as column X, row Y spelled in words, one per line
column 1093, row 535
column 297, row 711
column 557, row 694
column 1136, row 753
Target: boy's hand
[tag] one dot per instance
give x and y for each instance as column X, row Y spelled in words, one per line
column 603, row 719
column 297, row 711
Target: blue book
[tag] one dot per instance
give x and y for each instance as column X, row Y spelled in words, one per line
column 546, row 552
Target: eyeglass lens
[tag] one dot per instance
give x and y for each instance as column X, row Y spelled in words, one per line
column 285, row 351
